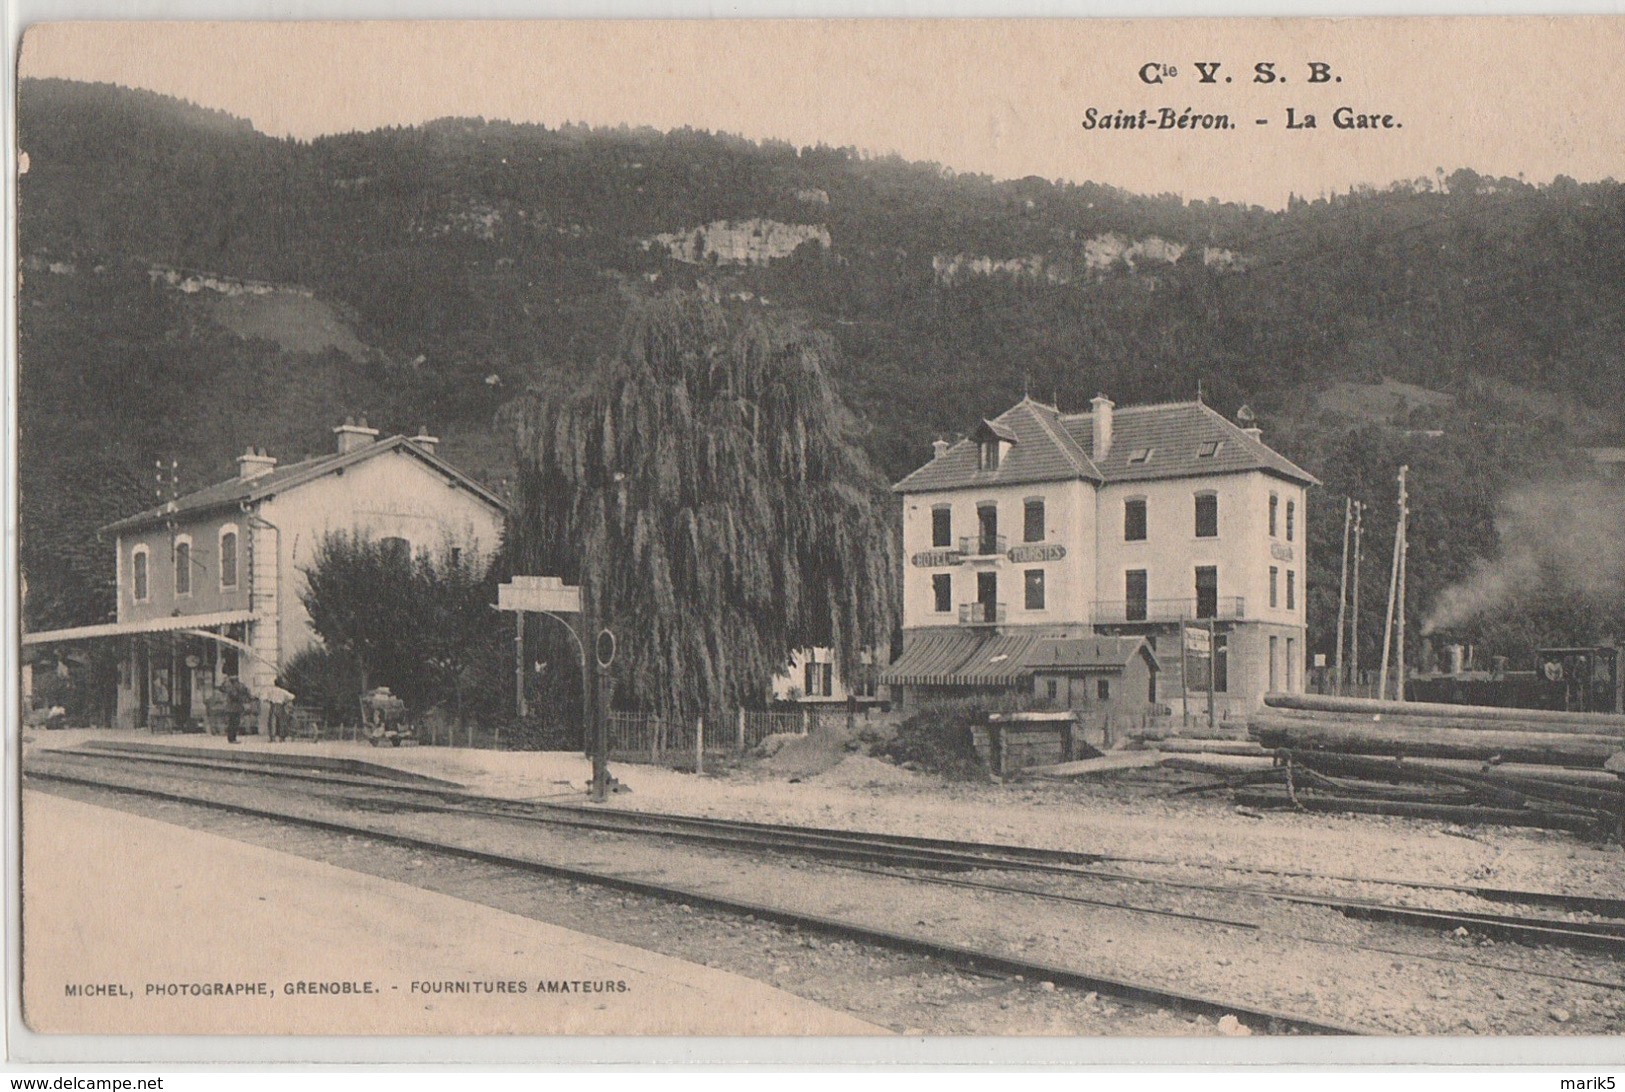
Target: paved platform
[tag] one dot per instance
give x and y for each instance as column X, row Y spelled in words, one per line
column 134, row 926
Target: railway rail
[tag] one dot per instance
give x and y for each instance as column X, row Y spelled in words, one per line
column 967, row 957
column 931, row 854
column 899, row 849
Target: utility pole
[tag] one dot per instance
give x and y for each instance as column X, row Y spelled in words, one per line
column 1404, row 558
column 1393, row 588
column 1212, row 674
column 1184, row 673
column 1343, row 592
column 1354, row 603
column 519, row 664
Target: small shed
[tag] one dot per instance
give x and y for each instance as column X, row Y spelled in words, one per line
column 1109, row 675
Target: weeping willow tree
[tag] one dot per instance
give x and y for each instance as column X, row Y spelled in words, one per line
column 708, row 495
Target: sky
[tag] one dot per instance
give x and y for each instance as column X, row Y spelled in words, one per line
column 1010, row 98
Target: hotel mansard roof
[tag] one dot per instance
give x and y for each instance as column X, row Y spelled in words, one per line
column 237, row 491
column 1168, row 440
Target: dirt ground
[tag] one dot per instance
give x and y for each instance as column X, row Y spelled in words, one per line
column 1130, row 813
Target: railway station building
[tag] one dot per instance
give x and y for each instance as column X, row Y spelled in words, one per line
column 208, row 583
column 1165, row 522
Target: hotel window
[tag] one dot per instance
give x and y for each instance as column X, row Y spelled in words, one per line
column 1274, row 655
column 1291, row 518
column 1221, row 663
column 1134, row 596
column 1275, row 506
column 1291, row 590
column 987, row 522
column 1033, row 520
column 228, row 558
column 1053, row 689
column 1207, row 515
column 1141, row 456
column 942, row 592
column 1291, row 668
column 1207, row 591
column 1275, row 579
column 138, row 574
column 1103, row 689
column 990, row 454
column 1209, row 449
column 942, row 526
column 396, row 549
column 183, row 565
column 1035, row 589
column 1134, row 519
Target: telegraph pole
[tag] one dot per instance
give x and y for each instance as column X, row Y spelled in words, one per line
column 1393, row 589
column 1404, row 558
column 1343, row 591
column 1354, row 605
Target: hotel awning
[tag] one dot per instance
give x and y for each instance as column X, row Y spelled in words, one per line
column 962, row 659
column 170, row 624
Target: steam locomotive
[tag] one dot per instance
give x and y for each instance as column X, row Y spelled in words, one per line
column 1579, row 680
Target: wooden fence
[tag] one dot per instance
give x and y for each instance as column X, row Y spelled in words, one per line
column 641, row 737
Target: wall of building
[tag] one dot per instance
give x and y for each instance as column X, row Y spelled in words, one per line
column 396, row 495
column 1069, row 514
column 207, row 596
column 1171, row 551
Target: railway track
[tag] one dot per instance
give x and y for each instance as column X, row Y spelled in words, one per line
column 933, row 854
column 898, row 849
column 967, row 957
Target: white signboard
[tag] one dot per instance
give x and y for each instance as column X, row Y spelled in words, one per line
column 539, row 593
column 1196, row 641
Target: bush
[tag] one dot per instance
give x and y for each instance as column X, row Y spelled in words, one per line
column 326, row 680
column 938, row 737
column 535, row 733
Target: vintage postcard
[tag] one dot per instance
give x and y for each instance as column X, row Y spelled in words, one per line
column 1103, row 536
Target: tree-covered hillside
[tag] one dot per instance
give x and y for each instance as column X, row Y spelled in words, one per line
column 191, row 285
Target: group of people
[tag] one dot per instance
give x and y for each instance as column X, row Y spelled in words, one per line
column 235, row 699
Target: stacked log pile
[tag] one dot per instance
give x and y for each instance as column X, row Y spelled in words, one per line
column 1453, row 762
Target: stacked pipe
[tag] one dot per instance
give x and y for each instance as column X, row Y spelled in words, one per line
column 1428, row 730
column 1454, row 762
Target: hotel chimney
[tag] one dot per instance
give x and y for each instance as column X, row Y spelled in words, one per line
column 939, row 448
column 1101, row 415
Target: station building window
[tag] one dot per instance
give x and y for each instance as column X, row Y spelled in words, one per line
column 183, row 565
column 140, row 589
column 228, row 557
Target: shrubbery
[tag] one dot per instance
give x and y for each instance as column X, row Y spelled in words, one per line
column 938, row 737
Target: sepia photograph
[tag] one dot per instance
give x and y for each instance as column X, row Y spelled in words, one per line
column 1101, row 534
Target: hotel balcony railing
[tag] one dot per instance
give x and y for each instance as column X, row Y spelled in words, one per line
column 981, row 614
column 982, row 545
column 1223, row 608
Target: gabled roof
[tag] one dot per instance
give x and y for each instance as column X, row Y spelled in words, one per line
column 1089, row 652
column 235, row 492
column 1175, row 434
column 1148, row 443
column 1040, row 451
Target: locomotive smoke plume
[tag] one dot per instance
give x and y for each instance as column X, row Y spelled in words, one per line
column 1557, row 538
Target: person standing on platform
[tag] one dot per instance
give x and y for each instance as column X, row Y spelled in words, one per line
column 236, row 695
